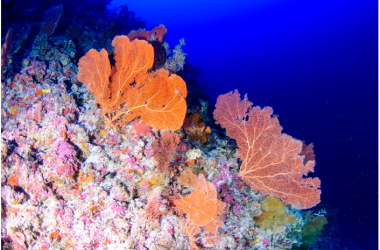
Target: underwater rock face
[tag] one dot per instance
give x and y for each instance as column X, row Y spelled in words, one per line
column 72, row 178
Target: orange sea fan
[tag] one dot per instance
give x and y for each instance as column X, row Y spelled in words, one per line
column 155, row 35
column 272, row 163
column 159, row 99
column 187, row 178
column 202, row 207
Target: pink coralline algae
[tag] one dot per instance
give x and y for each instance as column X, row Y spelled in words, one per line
column 228, row 198
column 265, row 241
column 62, row 156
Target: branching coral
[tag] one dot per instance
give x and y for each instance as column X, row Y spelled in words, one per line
column 176, row 58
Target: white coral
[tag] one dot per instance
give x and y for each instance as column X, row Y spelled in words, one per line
column 176, row 58
column 193, row 154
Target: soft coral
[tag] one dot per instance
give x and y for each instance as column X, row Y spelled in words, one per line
column 272, row 163
column 202, row 207
column 159, row 99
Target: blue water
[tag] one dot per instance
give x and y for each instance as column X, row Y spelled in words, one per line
column 315, row 63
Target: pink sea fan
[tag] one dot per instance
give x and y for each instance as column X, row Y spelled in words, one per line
column 154, row 208
column 51, row 20
column 163, row 149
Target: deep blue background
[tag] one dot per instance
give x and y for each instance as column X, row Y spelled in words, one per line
column 315, row 62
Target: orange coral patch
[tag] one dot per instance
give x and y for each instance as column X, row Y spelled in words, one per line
column 93, row 208
column 13, row 110
column 196, row 129
column 54, row 235
column 131, row 171
column 191, row 162
column 13, row 180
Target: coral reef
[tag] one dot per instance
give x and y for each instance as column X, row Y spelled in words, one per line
column 88, row 158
